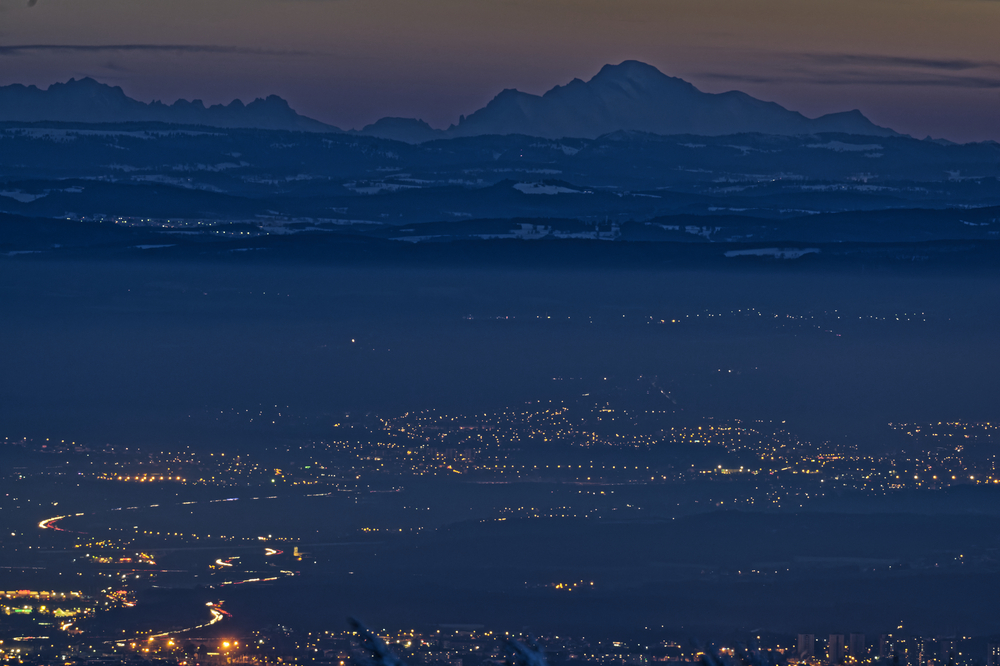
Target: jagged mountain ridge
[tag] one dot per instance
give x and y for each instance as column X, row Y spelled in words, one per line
column 89, row 101
column 631, row 96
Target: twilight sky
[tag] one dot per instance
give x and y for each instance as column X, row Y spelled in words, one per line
column 918, row 66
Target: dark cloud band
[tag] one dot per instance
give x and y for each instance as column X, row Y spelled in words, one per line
column 852, row 69
column 952, row 65
column 17, row 49
column 854, row 79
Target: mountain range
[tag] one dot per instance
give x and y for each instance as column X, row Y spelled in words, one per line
column 89, row 101
column 631, row 96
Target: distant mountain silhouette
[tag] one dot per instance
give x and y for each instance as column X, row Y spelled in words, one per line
column 88, row 101
column 638, row 97
column 632, row 96
column 403, row 129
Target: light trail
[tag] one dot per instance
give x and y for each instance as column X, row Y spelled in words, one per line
column 257, row 580
column 47, row 523
column 218, row 615
column 50, row 524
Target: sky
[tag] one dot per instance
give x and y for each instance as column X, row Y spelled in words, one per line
column 923, row 67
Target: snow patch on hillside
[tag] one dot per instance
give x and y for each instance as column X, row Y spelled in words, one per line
column 841, row 147
column 778, row 253
column 22, row 197
column 541, row 188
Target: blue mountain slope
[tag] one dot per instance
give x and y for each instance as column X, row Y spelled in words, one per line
column 638, row 97
column 402, row 129
column 88, row 101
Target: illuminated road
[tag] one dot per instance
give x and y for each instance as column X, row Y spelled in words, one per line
column 214, row 607
column 228, row 562
column 217, row 614
column 257, row 580
column 50, row 524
